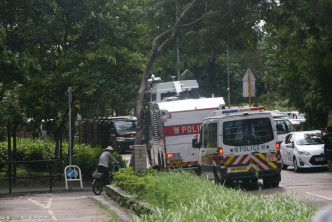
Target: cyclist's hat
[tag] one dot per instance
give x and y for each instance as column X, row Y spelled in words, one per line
column 109, row 148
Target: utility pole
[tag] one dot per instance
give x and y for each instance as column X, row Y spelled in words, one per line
column 229, row 85
column 249, row 88
column 69, row 108
column 177, row 13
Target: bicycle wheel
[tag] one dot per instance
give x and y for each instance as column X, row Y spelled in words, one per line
column 97, row 186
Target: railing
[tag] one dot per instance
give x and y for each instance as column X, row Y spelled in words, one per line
column 10, row 178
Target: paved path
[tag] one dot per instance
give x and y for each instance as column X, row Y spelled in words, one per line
column 61, row 206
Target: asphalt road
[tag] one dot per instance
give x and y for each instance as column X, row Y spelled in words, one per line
column 61, row 206
column 311, row 186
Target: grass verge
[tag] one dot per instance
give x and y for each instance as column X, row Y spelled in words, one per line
column 183, row 196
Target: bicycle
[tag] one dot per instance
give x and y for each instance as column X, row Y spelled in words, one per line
column 98, row 183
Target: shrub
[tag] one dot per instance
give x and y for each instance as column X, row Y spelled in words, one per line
column 3, row 154
column 84, row 156
column 135, row 183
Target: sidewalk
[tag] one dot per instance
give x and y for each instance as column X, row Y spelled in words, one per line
column 38, row 204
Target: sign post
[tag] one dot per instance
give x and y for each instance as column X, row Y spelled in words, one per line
column 248, row 82
column 69, row 108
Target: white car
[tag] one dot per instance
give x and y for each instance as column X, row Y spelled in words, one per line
column 303, row 150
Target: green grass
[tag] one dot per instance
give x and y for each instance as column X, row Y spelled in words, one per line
column 183, row 196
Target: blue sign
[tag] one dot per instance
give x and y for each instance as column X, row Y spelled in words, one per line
column 71, row 173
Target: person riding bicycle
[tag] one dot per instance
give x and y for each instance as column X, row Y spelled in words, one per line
column 104, row 159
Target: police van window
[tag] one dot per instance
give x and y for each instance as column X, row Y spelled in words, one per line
column 247, row 132
column 153, row 97
column 168, row 94
column 210, row 135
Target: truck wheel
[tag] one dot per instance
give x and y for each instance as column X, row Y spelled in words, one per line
column 162, row 161
column 159, row 161
column 198, row 170
column 217, row 179
column 271, row 181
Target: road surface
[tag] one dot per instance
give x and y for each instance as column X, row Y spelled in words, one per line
column 311, row 186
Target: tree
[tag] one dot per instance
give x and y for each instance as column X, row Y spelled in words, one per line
column 300, row 34
column 155, row 51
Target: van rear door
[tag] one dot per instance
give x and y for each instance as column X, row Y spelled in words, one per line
column 249, row 144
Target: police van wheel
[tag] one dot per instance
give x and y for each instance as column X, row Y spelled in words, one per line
column 162, row 161
column 271, row 181
column 217, row 179
column 198, row 170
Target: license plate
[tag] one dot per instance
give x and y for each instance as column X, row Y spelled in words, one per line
column 238, row 169
column 176, row 161
column 320, row 158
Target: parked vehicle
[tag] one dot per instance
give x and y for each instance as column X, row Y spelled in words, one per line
column 296, row 119
column 122, row 132
column 175, row 115
column 172, row 127
column 175, row 90
column 238, row 145
column 283, row 127
column 303, row 150
column 118, row 131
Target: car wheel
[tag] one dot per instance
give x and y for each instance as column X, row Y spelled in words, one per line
column 283, row 166
column 296, row 167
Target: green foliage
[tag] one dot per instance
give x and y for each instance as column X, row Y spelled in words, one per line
column 83, row 156
column 183, row 196
column 136, row 183
column 300, row 36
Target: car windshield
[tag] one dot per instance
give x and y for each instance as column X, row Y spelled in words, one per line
column 247, row 132
column 125, row 126
column 309, row 139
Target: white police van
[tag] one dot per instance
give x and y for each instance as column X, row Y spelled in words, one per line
column 239, row 145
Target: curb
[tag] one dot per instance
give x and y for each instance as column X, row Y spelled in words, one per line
column 128, row 201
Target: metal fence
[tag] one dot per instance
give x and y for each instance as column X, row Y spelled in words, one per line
column 48, row 164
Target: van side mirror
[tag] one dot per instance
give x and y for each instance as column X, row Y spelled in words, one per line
column 196, row 144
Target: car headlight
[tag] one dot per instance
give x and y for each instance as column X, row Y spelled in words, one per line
column 120, row 139
column 303, row 153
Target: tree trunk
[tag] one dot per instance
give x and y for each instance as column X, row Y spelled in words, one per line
column 211, row 70
column 155, row 51
column 56, row 150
